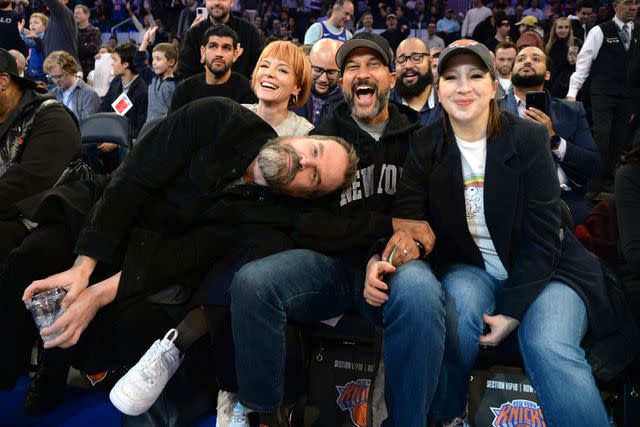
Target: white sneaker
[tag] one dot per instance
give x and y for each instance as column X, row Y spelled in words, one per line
column 136, row 391
column 226, row 404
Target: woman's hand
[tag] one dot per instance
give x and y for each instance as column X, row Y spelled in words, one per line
column 374, row 288
column 501, row 326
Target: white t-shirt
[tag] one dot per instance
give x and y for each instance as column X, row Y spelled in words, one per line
column 292, row 125
column 473, row 157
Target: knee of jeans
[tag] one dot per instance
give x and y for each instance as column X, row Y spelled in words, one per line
column 416, row 292
column 248, row 286
column 539, row 347
column 464, row 315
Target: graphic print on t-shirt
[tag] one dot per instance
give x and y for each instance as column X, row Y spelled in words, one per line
column 473, row 188
column 473, row 159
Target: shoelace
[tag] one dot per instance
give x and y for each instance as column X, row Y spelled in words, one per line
column 153, row 364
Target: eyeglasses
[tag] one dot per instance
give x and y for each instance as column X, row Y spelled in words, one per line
column 55, row 78
column 318, row 71
column 416, row 58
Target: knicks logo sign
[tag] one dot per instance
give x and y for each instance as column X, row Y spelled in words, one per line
column 519, row 413
column 353, row 397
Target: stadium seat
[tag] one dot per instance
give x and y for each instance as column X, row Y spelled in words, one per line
column 105, row 127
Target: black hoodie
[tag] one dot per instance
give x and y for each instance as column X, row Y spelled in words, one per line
column 348, row 224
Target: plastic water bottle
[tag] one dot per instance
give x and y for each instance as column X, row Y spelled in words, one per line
column 239, row 419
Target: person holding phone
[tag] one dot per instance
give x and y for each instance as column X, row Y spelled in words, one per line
column 574, row 150
column 488, row 187
column 219, row 12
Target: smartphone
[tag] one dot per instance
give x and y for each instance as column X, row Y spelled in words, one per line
column 202, row 11
column 537, row 100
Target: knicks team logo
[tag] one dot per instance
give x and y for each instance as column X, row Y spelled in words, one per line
column 518, row 413
column 353, row 396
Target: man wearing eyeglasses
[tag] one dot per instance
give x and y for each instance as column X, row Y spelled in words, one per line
column 414, row 84
column 71, row 90
column 325, row 90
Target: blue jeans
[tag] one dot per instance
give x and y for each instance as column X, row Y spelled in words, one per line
column 549, row 338
column 305, row 286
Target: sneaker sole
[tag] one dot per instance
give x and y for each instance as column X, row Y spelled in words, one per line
column 124, row 405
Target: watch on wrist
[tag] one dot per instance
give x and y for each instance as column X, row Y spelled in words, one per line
column 554, row 142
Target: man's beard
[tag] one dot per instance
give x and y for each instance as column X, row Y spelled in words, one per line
column 272, row 161
column 533, row 80
column 411, row 91
column 224, row 14
column 218, row 72
column 381, row 100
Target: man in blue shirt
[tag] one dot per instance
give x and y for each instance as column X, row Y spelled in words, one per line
column 448, row 27
column 335, row 26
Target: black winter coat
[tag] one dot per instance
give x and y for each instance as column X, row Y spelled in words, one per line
column 53, row 142
column 522, row 211
column 174, row 203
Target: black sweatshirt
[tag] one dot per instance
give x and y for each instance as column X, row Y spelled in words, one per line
column 238, row 88
column 9, row 34
column 347, row 225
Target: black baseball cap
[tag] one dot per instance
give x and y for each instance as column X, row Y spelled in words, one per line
column 466, row 46
column 8, row 65
column 365, row 39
